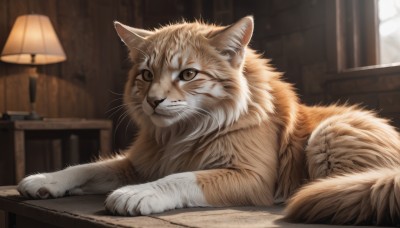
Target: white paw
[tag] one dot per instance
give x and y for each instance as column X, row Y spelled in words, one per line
column 41, row 186
column 174, row 191
column 141, row 199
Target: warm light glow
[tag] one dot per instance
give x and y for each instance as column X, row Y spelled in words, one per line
column 389, row 31
column 33, row 34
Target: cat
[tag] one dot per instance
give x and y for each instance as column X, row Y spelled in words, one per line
column 219, row 127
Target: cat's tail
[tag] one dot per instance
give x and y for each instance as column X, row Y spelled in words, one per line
column 366, row 198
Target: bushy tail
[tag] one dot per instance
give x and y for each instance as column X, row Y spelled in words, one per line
column 366, row 198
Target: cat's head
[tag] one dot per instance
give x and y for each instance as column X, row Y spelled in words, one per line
column 187, row 72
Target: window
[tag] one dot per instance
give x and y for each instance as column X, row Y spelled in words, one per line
column 389, row 31
column 362, row 33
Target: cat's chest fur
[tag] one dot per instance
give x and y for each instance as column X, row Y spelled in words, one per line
column 154, row 160
column 248, row 148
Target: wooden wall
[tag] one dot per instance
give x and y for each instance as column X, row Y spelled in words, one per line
column 293, row 33
column 83, row 85
column 377, row 90
column 88, row 84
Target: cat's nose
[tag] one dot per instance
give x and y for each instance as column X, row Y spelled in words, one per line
column 154, row 101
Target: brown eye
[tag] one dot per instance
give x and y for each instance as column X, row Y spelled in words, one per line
column 147, row 75
column 188, row 74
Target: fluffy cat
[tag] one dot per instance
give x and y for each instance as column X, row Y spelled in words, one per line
column 218, row 127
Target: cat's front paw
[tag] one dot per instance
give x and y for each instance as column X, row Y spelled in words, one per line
column 41, row 186
column 141, row 199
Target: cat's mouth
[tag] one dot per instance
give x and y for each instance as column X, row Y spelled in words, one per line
column 163, row 119
column 159, row 114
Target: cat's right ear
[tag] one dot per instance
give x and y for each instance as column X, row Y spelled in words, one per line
column 132, row 37
column 233, row 40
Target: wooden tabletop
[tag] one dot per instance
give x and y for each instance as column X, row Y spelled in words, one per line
column 56, row 123
column 88, row 211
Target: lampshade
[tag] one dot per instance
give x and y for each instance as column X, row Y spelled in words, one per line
column 33, row 34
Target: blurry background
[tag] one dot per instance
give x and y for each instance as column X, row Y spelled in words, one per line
column 330, row 49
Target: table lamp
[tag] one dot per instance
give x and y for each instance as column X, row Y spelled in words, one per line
column 33, row 41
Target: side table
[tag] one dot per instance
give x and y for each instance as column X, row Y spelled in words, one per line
column 17, row 131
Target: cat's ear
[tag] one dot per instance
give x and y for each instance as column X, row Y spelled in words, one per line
column 233, row 39
column 132, row 37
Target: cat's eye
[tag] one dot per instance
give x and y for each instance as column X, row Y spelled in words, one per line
column 188, row 74
column 147, row 75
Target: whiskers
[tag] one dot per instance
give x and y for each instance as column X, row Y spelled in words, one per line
column 120, row 120
column 115, row 93
column 119, row 113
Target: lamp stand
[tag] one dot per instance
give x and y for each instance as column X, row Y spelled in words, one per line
column 33, row 76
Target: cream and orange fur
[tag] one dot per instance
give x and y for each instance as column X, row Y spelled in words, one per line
column 218, row 127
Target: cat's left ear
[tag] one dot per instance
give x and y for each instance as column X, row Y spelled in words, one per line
column 233, row 39
column 132, row 37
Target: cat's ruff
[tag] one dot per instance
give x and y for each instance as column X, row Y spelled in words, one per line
column 219, row 127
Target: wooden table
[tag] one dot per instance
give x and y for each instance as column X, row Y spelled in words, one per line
column 88, row 211
column 53, row 127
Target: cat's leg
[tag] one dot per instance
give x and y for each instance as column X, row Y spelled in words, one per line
column 291, row 172
column 98, row 177
column 351, row 142
column 219, row 187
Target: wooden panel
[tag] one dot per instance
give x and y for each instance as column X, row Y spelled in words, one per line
column 78, row 40
column 335, row 45
column 105, row 142
column 4, row 219
column 353, row 34
column 390, row 102
column 96, row 63
column 17, row 89
column 61, row 124
column 3, row 97
column 6, row 158
column 17, row 78
column 313, row 13
column 41, row 95
column 370, row 44
column 313, row 76
column 281, row 5
column 4, row 29
column 37, row 154
column 19, row 154
column 161, row 12
column 366, row 100
column 55, row 161
column 77, row 212
column 273, row 46
column 71, row 155
column 365, row 85
column 99, row 19
column 314, row 45
column 287, row 21
column 52, row 96
column 22, row 222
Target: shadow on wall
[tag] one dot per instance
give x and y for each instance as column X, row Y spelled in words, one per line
column 56, row 97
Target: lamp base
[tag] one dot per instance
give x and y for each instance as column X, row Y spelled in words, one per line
column 33, row 116
column 14, row 115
